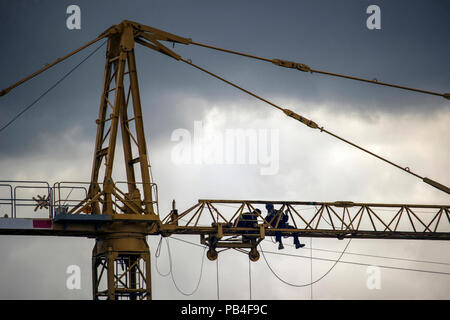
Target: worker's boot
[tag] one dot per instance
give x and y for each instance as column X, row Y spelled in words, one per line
column 299, row 245
column 280, row 246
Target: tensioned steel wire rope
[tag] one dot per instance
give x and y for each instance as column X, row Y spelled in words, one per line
column 17, row 116
column 171, row 272
column 314, row 125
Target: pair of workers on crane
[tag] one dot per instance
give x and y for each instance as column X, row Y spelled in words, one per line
column 280, row 223
column 250, row 220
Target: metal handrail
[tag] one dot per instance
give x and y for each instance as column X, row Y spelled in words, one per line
column 55, row 196
column 10, row 199
column 13, row 185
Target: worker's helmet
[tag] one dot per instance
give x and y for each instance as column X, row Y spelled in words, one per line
column 269, row 206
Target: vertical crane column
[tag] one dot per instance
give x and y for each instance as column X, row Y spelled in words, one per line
column 100, row 152
column 120, row 54
column 121, row 268
column 121, row 260
column 139, row 123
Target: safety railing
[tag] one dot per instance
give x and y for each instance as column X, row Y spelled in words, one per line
column 6, row 201
column 31, row 199
column 64, row 196
column 23, row 196
column 72, row 197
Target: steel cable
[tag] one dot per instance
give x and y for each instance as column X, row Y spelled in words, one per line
column 314, row 125
column 308, row 284
column 306, row 68
column 171, row 272
column 17, row 116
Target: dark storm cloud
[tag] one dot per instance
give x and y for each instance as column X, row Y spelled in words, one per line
column 329, row 35
column 326, row 35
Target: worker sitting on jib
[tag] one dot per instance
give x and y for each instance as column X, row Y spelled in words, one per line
column 248, row 220
column 272, row 218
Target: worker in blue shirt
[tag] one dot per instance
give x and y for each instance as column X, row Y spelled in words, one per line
column 272, row 218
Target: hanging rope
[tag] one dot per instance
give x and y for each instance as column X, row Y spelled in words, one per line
column 250, row 278
column 157, row 254
column 171, row 273
column 308, row 284
column 311, row 266
column 217, row 277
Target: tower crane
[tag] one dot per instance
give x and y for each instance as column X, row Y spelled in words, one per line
column 120, row 219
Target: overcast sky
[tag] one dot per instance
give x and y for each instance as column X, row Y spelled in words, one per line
column 54, row 140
